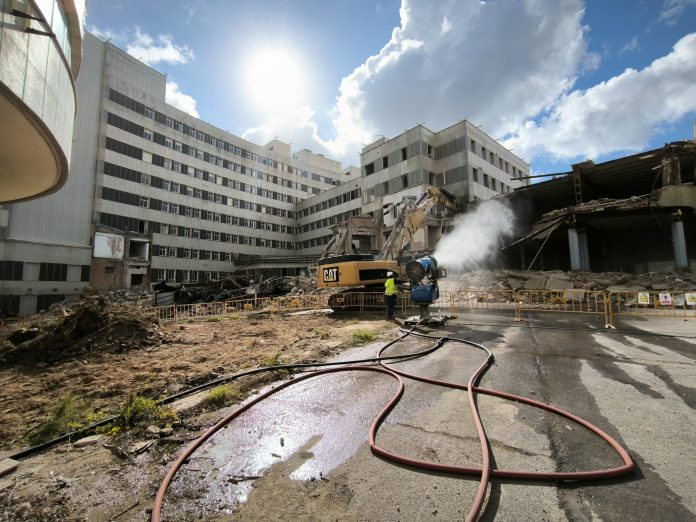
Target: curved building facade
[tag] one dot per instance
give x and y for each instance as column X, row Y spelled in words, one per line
column 40, row 53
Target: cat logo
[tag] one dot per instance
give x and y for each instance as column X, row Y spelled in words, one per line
column 331, row 274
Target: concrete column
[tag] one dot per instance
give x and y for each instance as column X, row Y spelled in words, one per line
column 579, row 255
column 681, row 260
column 584, row 251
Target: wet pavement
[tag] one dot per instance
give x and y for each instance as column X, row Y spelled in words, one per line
column 638, row 387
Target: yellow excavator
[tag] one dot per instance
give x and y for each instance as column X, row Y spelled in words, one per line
column 337, row 268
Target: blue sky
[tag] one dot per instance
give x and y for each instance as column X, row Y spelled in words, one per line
column 558, row 81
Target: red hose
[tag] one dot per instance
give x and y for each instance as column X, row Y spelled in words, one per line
column 485, row 472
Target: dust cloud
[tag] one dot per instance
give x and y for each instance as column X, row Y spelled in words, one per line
column 476, row 237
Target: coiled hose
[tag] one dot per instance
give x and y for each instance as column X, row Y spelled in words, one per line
column 485, row 471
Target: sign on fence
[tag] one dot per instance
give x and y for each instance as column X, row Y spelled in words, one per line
column 643, row 298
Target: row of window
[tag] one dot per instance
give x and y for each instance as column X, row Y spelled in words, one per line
column 127, row 198
column 14, row 271
column 9, row 304
column 134, row 152
column 317, row 241
column 184, row 276
column 329, row 203
column 491, row 182
column 214, row 255
column 178, row 188
column 187, row 130
column 133, row 128
column 442, row 151
column 327, row 222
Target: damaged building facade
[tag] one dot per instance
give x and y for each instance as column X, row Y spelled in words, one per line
column 634, row 214
column 185, row 201
column 156, row 194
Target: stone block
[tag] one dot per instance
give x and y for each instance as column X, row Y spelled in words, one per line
column 558, row 285
column 535, row 283
column 7, row 466
column 88, row 441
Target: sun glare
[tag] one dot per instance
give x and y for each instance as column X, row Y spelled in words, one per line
column 275, row 81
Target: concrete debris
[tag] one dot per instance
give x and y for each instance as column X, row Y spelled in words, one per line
column 557, row 280
column 88, row 441
column 232, row 288
column 141, row 447
column 7, row 466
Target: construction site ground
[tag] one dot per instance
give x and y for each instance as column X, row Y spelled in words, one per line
column 303, row 454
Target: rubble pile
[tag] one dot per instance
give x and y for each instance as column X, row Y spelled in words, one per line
column 93, row 326
column 557, row 280
column 236, row 287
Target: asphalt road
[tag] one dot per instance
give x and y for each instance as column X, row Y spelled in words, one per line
column 639, row 387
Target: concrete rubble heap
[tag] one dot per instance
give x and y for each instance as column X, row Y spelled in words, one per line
column 558, row 280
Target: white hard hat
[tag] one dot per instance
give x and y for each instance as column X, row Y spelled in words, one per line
column 390, row 274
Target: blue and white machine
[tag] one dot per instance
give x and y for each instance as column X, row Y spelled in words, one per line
column 423, row 274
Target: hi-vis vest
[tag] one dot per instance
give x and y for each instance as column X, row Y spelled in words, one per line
column 390, row 287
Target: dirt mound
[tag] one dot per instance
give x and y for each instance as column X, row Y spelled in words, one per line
column 92, row 327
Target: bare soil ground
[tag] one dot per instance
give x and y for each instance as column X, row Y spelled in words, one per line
column 116, row 479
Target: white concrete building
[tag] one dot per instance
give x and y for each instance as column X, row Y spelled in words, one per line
column 155, row 193
column 462, row 159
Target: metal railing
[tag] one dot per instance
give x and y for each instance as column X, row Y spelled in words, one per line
column 652, row 303
column 609, row 306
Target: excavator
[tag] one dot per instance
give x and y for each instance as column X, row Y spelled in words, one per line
column 338, row 268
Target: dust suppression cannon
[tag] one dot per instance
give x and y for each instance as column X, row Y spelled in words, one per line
column 423, row 274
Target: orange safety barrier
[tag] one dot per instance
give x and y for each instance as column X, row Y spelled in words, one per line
column 568, row 301
column 644, row 303
column 652, row 303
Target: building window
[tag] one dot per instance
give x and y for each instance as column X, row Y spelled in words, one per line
column 11, row 270
column 144, row 202
column 194, row 254
column 172, row 252
column 109, row 270
column 147, row 135
column 170, row 123
column 149, row 113
column 53, row 272
column 46, row 300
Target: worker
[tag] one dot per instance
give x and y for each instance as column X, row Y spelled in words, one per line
column 391, row 292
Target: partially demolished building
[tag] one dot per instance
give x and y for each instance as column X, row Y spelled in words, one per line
column 632, row 214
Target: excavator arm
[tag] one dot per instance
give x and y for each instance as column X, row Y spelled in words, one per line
column 411, row 219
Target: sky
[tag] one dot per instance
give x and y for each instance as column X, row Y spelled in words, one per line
column 556, row 81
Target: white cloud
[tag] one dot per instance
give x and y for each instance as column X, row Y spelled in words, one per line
column 495, row 63
column 151, row 52
column 508, row 66
column 673, row 9
column 621, row 113
column 632, row 45
column 180, row 100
